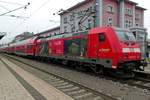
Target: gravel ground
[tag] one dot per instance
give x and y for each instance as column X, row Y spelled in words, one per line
column 115, row 89
column 147, row 69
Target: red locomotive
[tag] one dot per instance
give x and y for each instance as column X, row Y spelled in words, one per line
column 101, row 48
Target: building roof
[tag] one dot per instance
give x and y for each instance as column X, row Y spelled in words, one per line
column 131, row 2
column 86, row 1
column 76, row 6
column 138, row 7
column 49, row 30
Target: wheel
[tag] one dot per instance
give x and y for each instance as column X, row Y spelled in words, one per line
column 99, row 70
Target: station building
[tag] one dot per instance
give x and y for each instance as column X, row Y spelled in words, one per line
column 91, row 13
column 88, row 14
column 49, row 32
column 22, row 36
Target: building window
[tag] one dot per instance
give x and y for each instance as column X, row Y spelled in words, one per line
column 128, row 24
column 91, row 9
column 72, row 28
column 72, row 17
column 89, row 24
column 80, row 14
column 109, row 23
column 128, row 11
column 136, row 24
column 110, row 9
column 65, row 20
column 65, row 28
column 80, row 28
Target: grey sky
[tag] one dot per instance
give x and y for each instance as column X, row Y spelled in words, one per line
column 40, row 12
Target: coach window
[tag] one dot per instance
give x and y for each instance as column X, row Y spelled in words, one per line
column 65, row 20
column 102, row 37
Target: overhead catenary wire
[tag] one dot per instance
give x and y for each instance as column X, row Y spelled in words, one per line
column 9, row 11
column 4, row 8
column 13, row 3
column 54, row 21
column 34, row 12
column 41, row 6
column 15, row 9
column 21, row 17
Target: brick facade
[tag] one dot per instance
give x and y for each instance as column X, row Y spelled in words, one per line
column 91, row 13
column 129, row 14
column 139, row 17
column 110, row 13
column 78, row 18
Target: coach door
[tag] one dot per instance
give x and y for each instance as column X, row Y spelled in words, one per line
column 103, row 46
column 92, row 45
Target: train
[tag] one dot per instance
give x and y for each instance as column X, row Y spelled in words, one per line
column 110, row 49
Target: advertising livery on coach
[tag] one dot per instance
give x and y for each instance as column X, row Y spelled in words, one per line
column 101, row 49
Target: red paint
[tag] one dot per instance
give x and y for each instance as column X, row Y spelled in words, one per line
column 110, row 49
column 56, row 47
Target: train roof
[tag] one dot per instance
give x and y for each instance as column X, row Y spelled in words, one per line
column 23, row 42
column 64, row 35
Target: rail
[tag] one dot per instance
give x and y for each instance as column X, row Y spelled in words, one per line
column 69, row 87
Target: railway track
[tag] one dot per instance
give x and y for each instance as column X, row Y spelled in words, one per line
column 142, row 80
column 75, row 90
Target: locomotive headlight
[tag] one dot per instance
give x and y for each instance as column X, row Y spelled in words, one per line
column 125, row 50
column 137, row 50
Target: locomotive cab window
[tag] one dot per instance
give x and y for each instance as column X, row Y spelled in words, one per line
column 101, row 37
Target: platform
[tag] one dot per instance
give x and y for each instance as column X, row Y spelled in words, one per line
column 12, row 89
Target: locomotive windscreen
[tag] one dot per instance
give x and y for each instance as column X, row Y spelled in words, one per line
column 125, row 35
